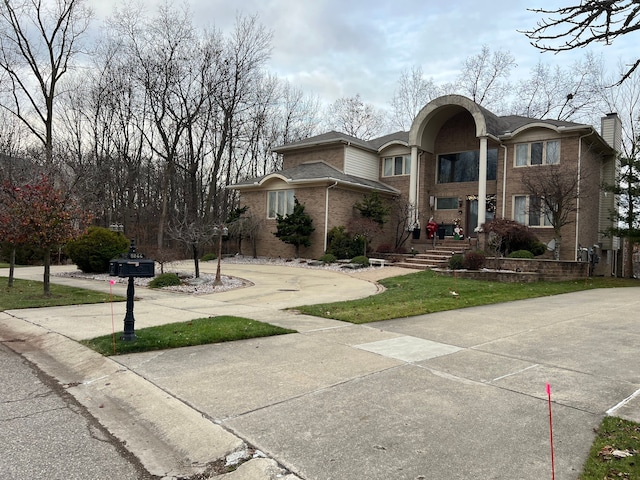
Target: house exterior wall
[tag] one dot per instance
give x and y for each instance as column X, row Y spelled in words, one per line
column 341, row 212
column 569, row 153
column 361, row 163
column 589, row 220
column 333, row 155
column 457, row 134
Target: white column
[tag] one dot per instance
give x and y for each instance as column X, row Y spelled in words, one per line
column 482, row 182
column 413, row 186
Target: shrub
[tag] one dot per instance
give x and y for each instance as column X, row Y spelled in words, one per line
column 521, row 254
column 384, row 248
column 328, row 258
column 361, row 260
column 473, row 260
column 511, row 236
column 537, row 248
column 456, row 261
column 92, row 251
column 207, row 257
column 165, row 280
column 342, row 244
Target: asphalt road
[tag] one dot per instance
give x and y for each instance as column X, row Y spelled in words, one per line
column 46, row 434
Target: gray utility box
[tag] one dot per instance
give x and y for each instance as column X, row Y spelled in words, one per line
column 132, row 267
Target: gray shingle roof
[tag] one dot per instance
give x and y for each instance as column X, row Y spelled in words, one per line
column 513, row 122
column 325, row 138
column 318, row 171
column 497, row 126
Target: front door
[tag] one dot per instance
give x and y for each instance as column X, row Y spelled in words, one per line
column 472, row 215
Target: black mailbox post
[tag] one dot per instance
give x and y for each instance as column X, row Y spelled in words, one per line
column 131, row 265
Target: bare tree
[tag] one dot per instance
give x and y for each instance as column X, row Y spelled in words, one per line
column 553, row 192
column 624, row 100
column 38, row 41
column 243, row 58
column 573, row 93
column 413, row 93
column 352, row 116
column 484, row 77
column 401, row 217
column 194, row 235
column 246, row 225
column 576, row 26
column 177, row 69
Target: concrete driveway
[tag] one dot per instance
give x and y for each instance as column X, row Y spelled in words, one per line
column 453, row 395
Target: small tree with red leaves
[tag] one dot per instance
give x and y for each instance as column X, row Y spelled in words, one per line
column 46, row 219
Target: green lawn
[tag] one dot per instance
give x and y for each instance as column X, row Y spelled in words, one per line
column 427, row 292
column 615, row 438
column 185, row 334
column 30, row 294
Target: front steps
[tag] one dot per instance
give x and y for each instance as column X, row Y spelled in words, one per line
column 435, row 257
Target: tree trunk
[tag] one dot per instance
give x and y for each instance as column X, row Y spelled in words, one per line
column 196, row 260
column 12, row 266
column 47, row 272
column 558, row 240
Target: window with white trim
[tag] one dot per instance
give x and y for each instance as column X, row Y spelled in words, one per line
column 280, row 202
column 538, row 153
column 465, row 166
column 394, row 166
column 447, row 203
column 530, row 210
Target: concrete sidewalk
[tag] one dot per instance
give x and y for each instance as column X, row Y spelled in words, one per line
column 449, row 395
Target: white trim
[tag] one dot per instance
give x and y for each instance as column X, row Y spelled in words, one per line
column 482, row 183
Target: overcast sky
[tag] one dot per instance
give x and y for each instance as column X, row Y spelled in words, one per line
column 340, row 48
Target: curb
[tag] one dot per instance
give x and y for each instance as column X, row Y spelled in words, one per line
column 171, row 439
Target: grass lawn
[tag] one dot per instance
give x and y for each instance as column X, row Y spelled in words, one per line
column 30, row 294
column 615, row 438
column 427, row 292
column 185, row 334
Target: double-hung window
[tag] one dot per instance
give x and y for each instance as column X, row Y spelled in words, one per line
column 393, row 166
column 280, row 202
column 538, row 153
column 530, row 210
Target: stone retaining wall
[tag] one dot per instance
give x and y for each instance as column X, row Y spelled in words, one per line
column 524, row 270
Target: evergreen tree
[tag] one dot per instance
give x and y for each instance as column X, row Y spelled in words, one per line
column 295, row 228
column 627, row 215
column 373, row 207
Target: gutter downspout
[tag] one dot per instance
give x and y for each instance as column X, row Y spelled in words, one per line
column 504, row 181
column 326, row 216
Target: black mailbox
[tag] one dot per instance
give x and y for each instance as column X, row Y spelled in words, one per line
column 132, row 264
column 124, row 267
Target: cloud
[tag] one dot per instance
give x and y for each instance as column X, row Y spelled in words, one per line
column 338, row 48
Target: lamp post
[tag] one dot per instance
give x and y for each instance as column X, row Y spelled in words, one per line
column 219, row 231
